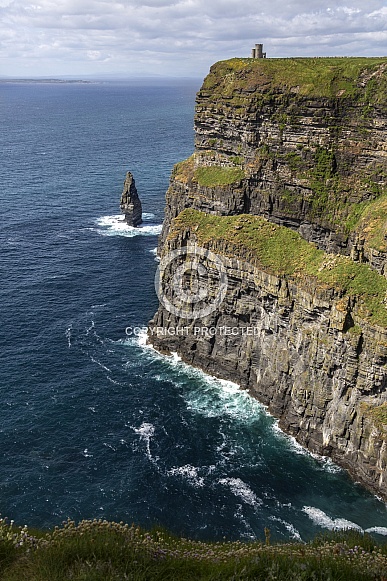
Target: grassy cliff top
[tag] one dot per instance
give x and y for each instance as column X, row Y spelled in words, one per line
column 283, row 252
column 356, row 77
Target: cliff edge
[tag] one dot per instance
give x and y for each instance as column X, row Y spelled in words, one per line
column 273, row 250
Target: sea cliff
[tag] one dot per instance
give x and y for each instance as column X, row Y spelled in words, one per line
column 287, row 189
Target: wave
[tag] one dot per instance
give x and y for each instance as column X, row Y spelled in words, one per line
column 146, row 432
column 154, row 252
column 320, row 518
column 324, row 463
column 248, row 532
column 68, row 335
column 218, row 398
column 188, row 472
column 116, row 226
column 212, row 397
column 242, row 490
column 377, row 530
column 288, row 526
column 100, row 364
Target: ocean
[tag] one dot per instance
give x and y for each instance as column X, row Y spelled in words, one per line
column 93, row 422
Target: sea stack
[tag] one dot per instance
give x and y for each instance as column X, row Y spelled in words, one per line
column 130, row 203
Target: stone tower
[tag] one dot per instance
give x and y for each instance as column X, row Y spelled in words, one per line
column 257, row 52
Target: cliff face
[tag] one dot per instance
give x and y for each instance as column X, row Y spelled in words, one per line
column 307, row 141
column 269, row 223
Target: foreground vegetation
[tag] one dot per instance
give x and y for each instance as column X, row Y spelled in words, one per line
column 105, row 551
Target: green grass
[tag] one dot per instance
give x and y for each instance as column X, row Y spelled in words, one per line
column 209, row 176
column 213, row 175
column 378, row 415
column 106, row 551
column 373, row 223
column 338, row 77
column 283, row 252
column 184, row 170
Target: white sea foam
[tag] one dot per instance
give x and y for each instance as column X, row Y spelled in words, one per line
column 214, row 397
column 190, row 473
column 88, row 329
column 110, row 446
column 100, row 364
column 327, row 464
column 288, row 526
column 116, row 226
column 320, row 518
column 154, row 252
column 324, row 462
column 249, row 531
column 218, row 398
column 146, row 432
column 68, row 335
column 292, row 442
column 175, row 359
column 242, row 490
column 115, row 382
column 142, row 339
column 377, row 530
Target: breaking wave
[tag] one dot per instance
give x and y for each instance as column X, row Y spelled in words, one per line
column 116, row 226
column 321, row 519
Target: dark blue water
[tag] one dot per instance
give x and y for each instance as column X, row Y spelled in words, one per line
column 92, row 422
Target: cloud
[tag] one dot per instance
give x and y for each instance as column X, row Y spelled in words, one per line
column 178, row 36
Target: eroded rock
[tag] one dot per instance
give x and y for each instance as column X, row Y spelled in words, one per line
column 130, row 203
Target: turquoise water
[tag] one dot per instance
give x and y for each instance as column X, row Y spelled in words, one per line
column 95, row 423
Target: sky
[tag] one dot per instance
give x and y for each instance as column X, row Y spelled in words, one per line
column 180, row 38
